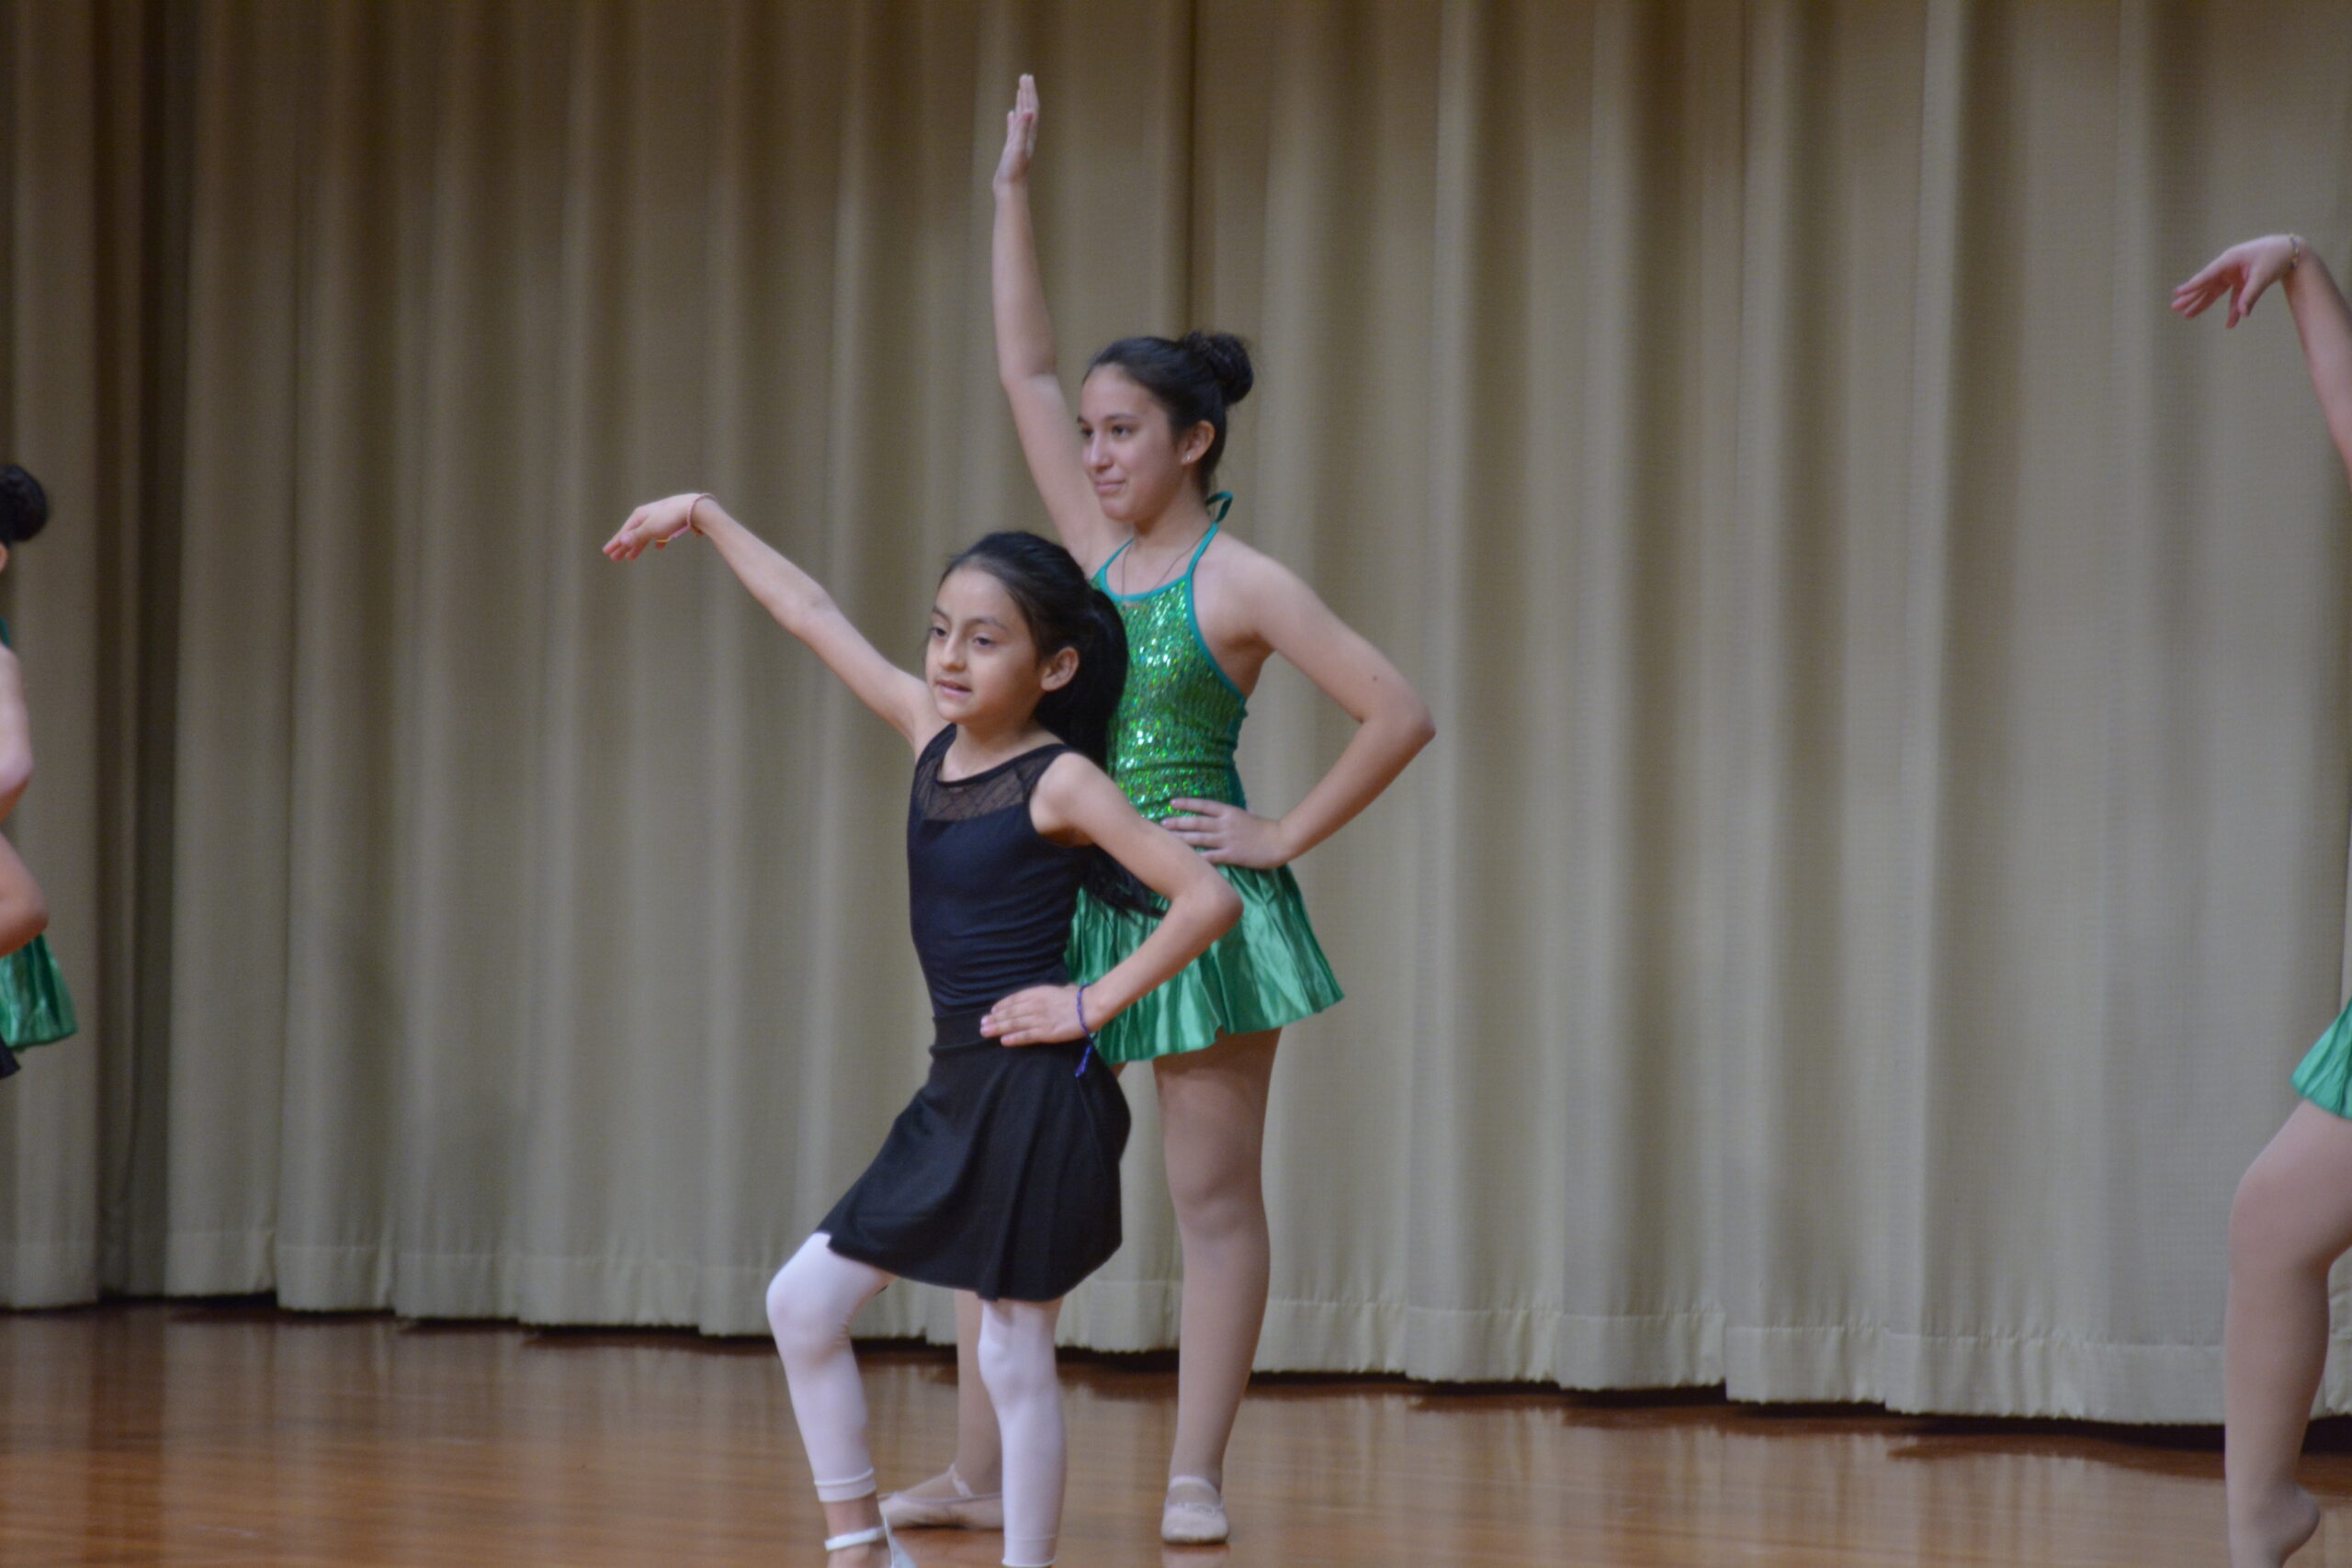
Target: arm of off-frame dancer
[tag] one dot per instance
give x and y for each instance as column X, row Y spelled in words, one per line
column 2324, row 323
column 797, row 600
column 2323, row 319
column 1392, row 723
column 1074, row 796
column 1025, row 359
column 24, row 910
column 16, row 735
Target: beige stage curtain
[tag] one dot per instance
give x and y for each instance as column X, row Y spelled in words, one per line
column 1888, row 839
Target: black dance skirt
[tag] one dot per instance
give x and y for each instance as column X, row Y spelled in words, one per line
column 1002, row 1175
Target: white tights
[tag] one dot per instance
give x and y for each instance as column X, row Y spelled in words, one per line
column 810, row 1304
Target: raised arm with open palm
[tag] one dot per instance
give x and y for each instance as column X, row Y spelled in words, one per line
column 1025, row 359
column 2245, row 272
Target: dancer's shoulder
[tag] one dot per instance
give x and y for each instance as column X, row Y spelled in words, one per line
column 1073, row 796
column 1237, row 572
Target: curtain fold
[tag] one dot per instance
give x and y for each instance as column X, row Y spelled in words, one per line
column 1888, row 837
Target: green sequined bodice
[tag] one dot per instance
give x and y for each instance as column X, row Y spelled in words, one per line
column 1180, row 718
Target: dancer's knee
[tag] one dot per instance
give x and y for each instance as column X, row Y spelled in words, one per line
column 1017, row 1361
column 1216, row 1206
column 805, row 1325
column 2268, row 1232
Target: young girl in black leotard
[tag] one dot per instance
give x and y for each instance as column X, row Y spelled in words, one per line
column 1001, row 1176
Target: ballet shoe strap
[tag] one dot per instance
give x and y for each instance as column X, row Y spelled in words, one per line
column 855, row 1537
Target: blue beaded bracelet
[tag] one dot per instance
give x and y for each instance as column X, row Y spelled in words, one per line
column 1086, row 1055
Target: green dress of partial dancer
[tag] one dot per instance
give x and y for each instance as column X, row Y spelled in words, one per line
column 2326, row 1076
column 1174, row 736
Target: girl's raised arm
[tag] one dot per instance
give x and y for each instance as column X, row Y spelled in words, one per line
column 1024, row 354
column 16, row 735
column 1074, row 795
column 24, row 910
column 2323, row 319
column 797, row 600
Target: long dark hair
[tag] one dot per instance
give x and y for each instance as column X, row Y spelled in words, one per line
column 1197, row 379
column 1064, row 610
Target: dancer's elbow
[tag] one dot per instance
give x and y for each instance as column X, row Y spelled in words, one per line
column 1220, row 906
column 15, row 777
column 1414, row 723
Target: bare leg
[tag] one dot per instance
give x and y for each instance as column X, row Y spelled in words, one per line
column 970, row 1493
column 1212, row 1125
column 2291, row 1220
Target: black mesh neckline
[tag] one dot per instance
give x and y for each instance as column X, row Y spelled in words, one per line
column 983, row 793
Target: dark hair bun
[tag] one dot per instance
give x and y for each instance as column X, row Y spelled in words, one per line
column 24, row 507
column 1228, row 358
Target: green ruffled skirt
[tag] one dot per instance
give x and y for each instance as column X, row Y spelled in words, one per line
column 1266, row 971
column 2326, row 1076
column 35, row 1006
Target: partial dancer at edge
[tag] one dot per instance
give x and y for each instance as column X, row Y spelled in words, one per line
column 1002, row 1177
column 2292, row 1217
column 35, row 1006
column 1129, row 486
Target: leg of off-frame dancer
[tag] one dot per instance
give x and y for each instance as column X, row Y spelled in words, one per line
column 2291, row 1220
column 1024, row 1384
column 811, row 1303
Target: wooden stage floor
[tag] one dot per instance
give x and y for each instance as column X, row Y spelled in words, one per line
column 182, row 1435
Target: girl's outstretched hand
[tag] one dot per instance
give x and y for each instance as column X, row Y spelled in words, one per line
column 1020, row 134
column 655, row 524
column 2242, row 272
column 1038, row 1016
